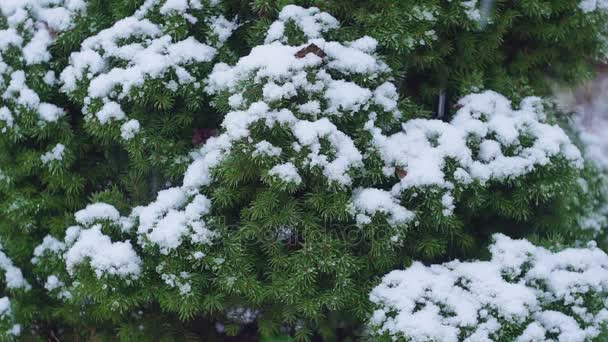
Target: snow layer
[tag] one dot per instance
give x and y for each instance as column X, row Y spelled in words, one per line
column 222, row 27
column 521, row 285
column 49, row 245
column 5, row 306
column 471, row 10
column 95, row 212
column 57, row 14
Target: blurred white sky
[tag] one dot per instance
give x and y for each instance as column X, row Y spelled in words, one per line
column 591, row 103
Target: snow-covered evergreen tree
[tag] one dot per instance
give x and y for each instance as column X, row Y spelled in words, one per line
column 175, row 169
column 316, row 148
column 56, row 151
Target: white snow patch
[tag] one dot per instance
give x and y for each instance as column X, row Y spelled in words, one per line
column 105, row 257
column 311, row 21
column 287, row 172
column 56, row 154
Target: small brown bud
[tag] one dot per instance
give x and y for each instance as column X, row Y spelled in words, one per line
column 312, row 48
column 201, row 135
column 400, row 172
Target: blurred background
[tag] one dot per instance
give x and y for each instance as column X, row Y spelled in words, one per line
column 589, row 105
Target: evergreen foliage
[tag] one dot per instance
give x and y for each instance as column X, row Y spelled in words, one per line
column 308, row 162
column 40, row 183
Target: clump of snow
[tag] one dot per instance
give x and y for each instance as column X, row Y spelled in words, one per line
column 478, row 11
column 49, row 245
column 179, row 6
column 5, row 306
column 310, row 21
column 346, row 96
column 287, row 172
column 165, row 223
column 206, row 159
column 7, row 117
column 52, row 283
column 222, row 27
column 129, row 129
column 95, row 212
column 448, row 204
column 85, row 245
column 56, row 154
column 105, row 257
column 36, row 51
column 264, row 148
column 521, row 285
column 471, row 9
column 346, row 155
column 10, row 37
column 369, row 202
column 15, row 330
column 49, row 112
column 110, row 111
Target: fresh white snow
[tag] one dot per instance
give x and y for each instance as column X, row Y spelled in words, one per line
column 518, row 286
